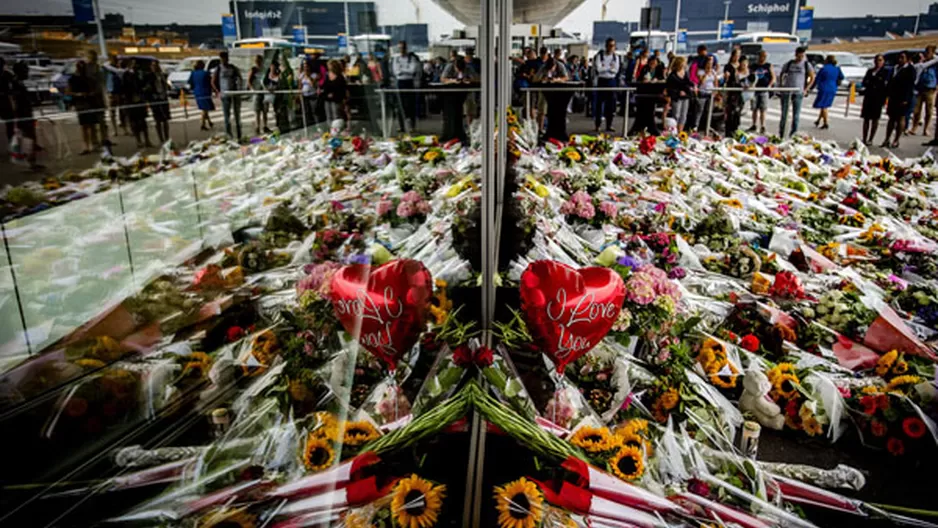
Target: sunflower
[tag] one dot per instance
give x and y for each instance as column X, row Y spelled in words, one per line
column 359, row 433
column 682, row 136
column 318, row 454
column 900, row 368
column 573, row 155
column 593, row 439
column 778, row 370
column 885, row 362
column 629, row 439
column 803, row 172
column 519, row 504
column 326, row 425
column 901, row 381
column 430, row 155
column 228, row 518
column 636, row 426
column 416, row 502
column 786, row 385
column 812, row 426
column 669, row 399
column 627, row 464
column 725, row 380
column 914, row 427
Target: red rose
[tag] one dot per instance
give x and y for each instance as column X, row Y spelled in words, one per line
column 462, row 356
column 787, row 285
column 647, row 144
column 750, row 343
column 869, row 405
column 895, row 446
column 234, row 333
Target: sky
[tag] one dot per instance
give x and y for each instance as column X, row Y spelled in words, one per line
column 392, row 12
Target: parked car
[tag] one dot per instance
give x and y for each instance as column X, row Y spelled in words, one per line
column 179, row 79
column 849, row 63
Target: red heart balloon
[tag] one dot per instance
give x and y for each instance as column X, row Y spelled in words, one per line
column 385, row 307
column 569, row 311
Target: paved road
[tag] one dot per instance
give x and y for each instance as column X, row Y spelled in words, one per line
column 60, row 135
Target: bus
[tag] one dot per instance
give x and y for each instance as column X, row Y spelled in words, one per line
column 263, row 43
column 780, row 47
column 653, row 40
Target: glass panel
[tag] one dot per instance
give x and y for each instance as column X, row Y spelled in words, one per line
column 267, row 320
column 14, row 347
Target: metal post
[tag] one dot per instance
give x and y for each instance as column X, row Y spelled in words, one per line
column 237, row 19
column 16, row 288
column 503, row 103
column 384, row 115
column 527, row 104
column 348, row 34
column 709, row 113
column 850, row 89
column 625, row 117
column 102, row 42
column 677, row 24
column 303, row 112
column 794, row 16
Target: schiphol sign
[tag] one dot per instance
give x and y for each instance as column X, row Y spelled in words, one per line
column 767, row 8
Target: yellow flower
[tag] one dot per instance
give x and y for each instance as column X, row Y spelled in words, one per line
column 199, row 362
column 901, row 381
column 636, row 426
column 830, row 251
column 628, row 463
column 431, row 155
column 778, row 370
column 326, row 425
column 683, row 137
column 106, row 349
column 573, row 155
column 90, row 363
column 725, row 381
column 318, row 454
column 812, row 426
column 519, row 504
column 416, row 502
column 356, row 519
column 885, row 362
column 785, row 385
column 228, row 518
column 593, row 439
column 732, row 202
column 359, row 433
column 628, row 438
column 870, row 389
column 760, row 284
column 872, row 233
column 901, row 367
column 670, row 399
column 803, row 172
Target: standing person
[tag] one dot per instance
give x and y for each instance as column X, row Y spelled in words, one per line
column 256, row 84
column 732, row 98
column 799, row 75
column 694, row 64
column 200, row 83
column 606, row 66
column 745, row 82
column 653, row 71
column 706, row 81
column 729, row 69
column 159, row 101
column 640, row 63
column 309, row 85
column 874, row 98
column 405, row 70
column 6, row 102
column 925, row 84
column 899, row 91
column 762, row 76
column 114, row 75
column 21, row 98
column 457, row 72
column 276, row 81
column 377, row 76
column 526, row 73
column 353, row 71
column 680, row 90
column 227, row 78
column 133, row 86
column 914, row 60
column 99, row 77
column 555, row 105
column 335, row 93
column 82, row 93
column 827, row 80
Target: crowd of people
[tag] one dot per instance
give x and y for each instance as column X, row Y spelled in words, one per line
column 672, row 92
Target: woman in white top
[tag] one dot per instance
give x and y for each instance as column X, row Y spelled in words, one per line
column 707, row 81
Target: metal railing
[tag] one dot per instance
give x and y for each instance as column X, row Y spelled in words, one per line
column 527, row 91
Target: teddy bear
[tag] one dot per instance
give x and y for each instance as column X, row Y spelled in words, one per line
column 755, row 400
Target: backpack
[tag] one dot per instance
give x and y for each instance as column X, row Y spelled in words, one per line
column 928, row 79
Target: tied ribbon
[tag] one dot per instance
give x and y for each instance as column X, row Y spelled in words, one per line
column 464, row 356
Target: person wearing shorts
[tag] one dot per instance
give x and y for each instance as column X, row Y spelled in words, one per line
column 761, row 76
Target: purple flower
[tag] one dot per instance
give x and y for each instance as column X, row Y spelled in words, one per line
column 760, row 140
column 677, row 273
column 628, row 262
column 359, row 259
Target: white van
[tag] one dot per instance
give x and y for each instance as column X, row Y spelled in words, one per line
column 179, row 79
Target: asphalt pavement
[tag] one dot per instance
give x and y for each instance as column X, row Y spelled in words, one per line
column 60, row 135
